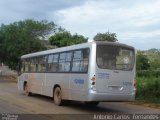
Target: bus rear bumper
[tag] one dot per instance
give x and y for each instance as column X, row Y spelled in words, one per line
column 94, row 96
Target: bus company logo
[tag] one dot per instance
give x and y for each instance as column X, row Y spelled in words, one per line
column 127, row 83
column 79, row 81
column 103, row 75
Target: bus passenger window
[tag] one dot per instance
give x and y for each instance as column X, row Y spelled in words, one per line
column 52, row 63
column 65, row 62
column 80, row 60
column 33, row 64
column 42, row 63
column 22, row 66
column 27, row 65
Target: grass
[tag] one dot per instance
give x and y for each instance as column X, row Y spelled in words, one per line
column 148, row 91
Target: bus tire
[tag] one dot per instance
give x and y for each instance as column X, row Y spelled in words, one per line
column 57, row 96
column 94, row 103
column 26, row 91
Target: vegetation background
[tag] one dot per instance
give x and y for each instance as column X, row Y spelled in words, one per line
column 148, row 76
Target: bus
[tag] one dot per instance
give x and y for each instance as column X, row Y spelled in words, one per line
column 90, row 72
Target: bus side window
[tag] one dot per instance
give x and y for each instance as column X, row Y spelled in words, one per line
column 49, row 63
column 68, row 59
column 61, row 62
column 33, row 64
column 85, row 60
column 22, row 65
column 65, row 62
column 42, row 63
column 76, row 60
column 52, row 63
column 80, row 60
column 27, row 65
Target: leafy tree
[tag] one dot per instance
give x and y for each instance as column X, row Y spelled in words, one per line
column 2, row 52
column 22, row 37
column 153, row 55
column 64, row 38
column 111, row 37
column 142, row 62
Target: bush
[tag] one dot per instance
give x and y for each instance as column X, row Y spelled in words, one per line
column 148, row 73
column 148, row 88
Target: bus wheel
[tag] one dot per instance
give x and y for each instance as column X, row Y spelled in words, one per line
column 94, row 103
column 26, row 91
column 57, row 96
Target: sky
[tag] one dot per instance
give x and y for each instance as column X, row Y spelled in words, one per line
column 135, row 22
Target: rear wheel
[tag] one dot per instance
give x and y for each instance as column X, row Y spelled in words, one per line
column 94, row 103
column 26, row 90
column 57, row 96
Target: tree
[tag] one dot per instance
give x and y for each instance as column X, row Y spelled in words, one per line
column 22, row 37
column 111, row 37
column 2, row 52
column 64, row 38
column 142, row 62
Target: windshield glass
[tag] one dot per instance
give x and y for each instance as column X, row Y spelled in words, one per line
column 115, row 57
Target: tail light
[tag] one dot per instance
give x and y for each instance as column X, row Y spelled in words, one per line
column 135, row 84
column 93, row 83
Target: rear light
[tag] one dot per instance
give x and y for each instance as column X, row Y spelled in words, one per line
column 93, row 83
column 135, row 84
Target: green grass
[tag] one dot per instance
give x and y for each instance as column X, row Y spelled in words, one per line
column 148, row 89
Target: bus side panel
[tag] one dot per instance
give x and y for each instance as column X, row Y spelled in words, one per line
column 61, row 79
column 40, row 83
column 78, row 87
column 35, row 82
column 22, row 78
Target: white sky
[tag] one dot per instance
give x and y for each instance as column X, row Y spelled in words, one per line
column 136, row 22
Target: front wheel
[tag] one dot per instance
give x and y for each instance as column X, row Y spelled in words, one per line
column 57, row 96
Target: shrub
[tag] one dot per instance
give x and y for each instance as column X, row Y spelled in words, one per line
column 148, row 73
column 148, row 88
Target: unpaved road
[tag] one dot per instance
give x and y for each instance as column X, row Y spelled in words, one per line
column 12, row 101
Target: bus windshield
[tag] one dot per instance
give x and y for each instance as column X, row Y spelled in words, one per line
column 115, row 57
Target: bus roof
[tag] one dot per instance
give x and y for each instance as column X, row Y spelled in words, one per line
column 77, row 46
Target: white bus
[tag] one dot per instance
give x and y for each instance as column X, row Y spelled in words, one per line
column 90, row 72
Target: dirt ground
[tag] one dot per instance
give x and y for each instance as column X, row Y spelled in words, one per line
column 13, row 78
